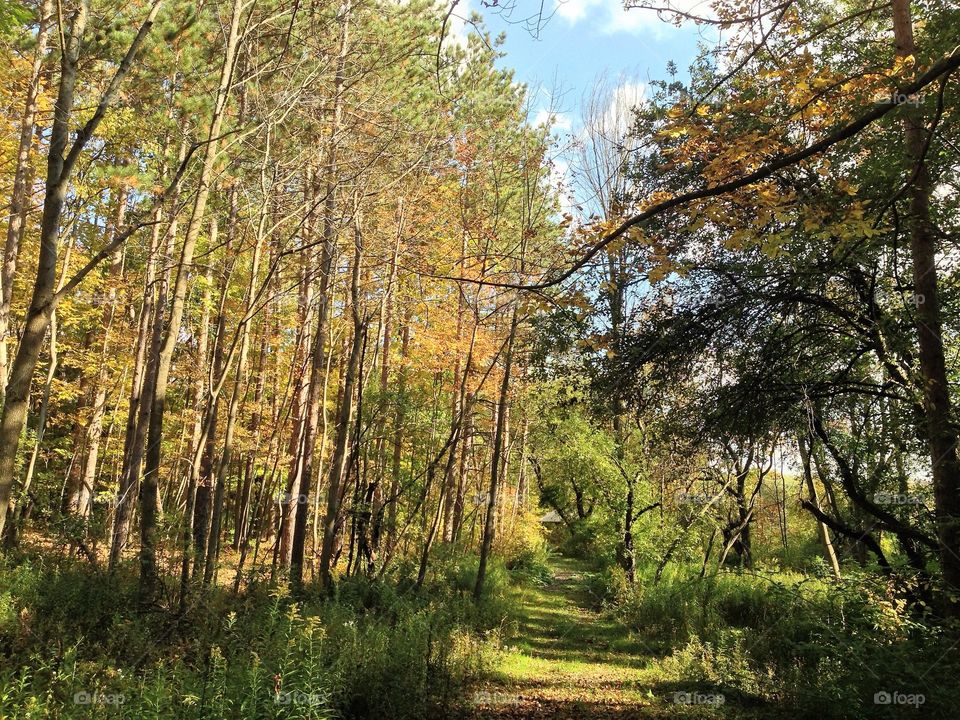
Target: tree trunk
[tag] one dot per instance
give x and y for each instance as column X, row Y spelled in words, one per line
column 399, row 420
column 19, row 196
column 200, row 485
column 80, row 501
column 495, row 466
column 288, row 505
column 940, row 429
column 137, row 410
column 41, row 308
column 317, row 367
column 823, row 531
column 331, row 520
column 150, row 482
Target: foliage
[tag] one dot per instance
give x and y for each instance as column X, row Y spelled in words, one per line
column 371, row 652
column 818, row 647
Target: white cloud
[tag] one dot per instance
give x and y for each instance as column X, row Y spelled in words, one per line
column 457, row 28
column 557, row 121
column 573, row 11
column 623, row 99
column 611, row 16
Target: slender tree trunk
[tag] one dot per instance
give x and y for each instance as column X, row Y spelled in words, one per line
column 498, row 443
column 149, row 335
column 520, row 499
column 19, row 196
column 137, row 412
column 941, row 429
column 200, row 484
column 331, row 521
column 466, row 444
column 239, row 384
column 317, row 367
column 446, row 495
column 374, row 519
column 41, row 308
column 823, row 531
column 629, row 561
column 243, row 501
column 399, row 420
column 150, row 482
column 288, row 506
column 80, row 501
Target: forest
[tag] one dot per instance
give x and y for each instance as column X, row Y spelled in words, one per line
column 342, row 380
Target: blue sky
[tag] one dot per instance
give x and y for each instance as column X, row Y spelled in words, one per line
column 584, row 39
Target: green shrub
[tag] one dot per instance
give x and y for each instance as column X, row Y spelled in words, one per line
column 371, row 651
column 822, row 648
column 526, row 554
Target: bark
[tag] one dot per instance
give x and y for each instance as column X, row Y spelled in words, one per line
column 204, row 441
column 300, row 403
column 161, row 368
column 80, row 499
column 372, row 519
column 520, row 499
column 41, row 307
column 466, row 448
column 242, row 516
column 331, row 521
column 149, row 334
column 399, row 420
column 61, row 161
column 446, row 497
column 823, row 530
column 318, row 370
column 20, row 194
column 856, row 535
column 458, row 397
column 202, row 478
column 137, row 410
column 240, row 382
column 629, row 562
column 13, row 529
column 940, row 428
column 441, row 501
column 495, row 467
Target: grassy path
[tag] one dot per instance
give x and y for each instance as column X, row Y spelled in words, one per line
column 568, row 660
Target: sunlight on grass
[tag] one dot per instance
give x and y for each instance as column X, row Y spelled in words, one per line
column 569, row 659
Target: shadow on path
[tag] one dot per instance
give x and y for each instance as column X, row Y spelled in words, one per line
column 568, row 660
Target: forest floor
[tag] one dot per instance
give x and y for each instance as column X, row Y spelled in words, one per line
column 569, row 660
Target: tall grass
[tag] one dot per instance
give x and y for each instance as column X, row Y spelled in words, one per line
column 73, row 644
column 821, row 648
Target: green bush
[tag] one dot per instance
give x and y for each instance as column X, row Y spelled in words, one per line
column 822, row 648
column 370, row 651
column 526, row 553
